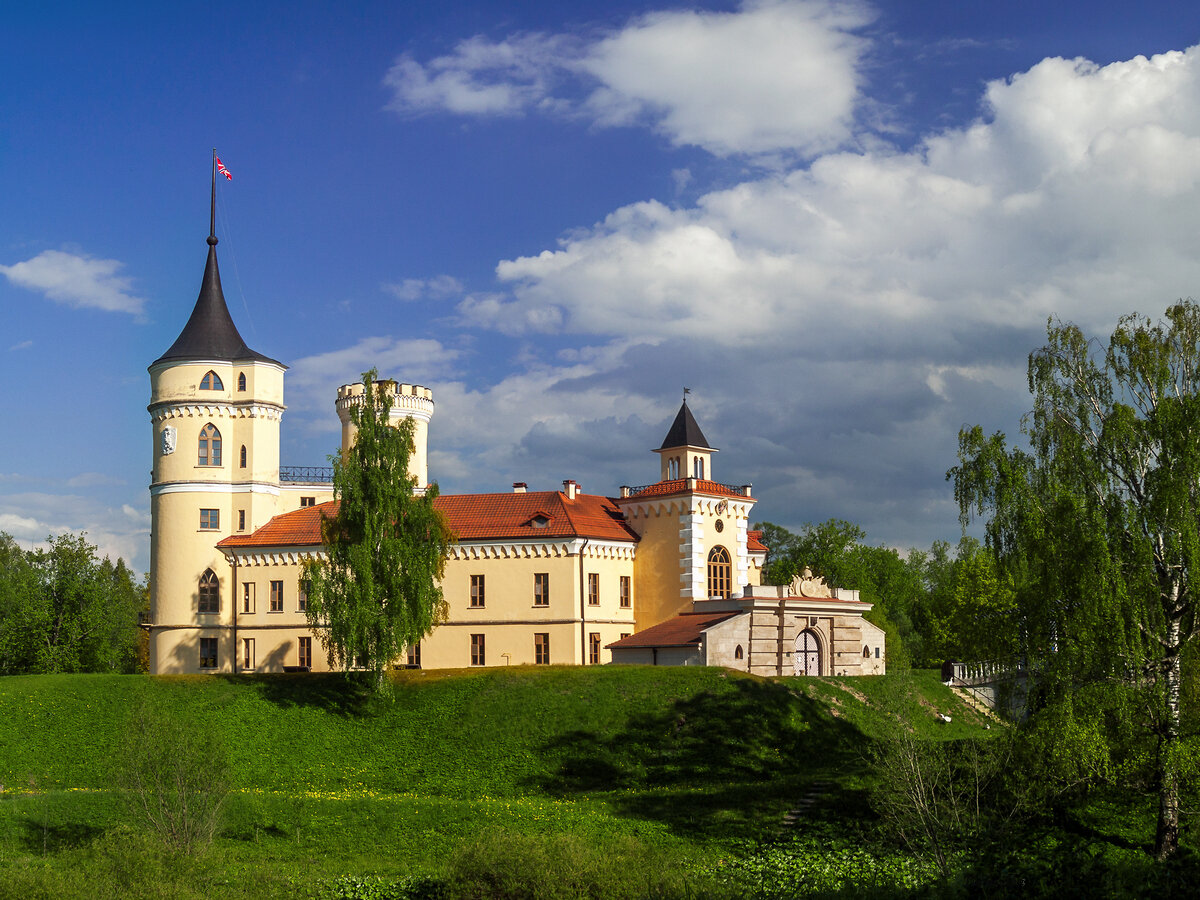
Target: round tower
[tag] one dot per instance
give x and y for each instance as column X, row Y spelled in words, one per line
column 409, row 401
column 215, row 408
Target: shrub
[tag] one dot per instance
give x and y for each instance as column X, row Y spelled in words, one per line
column 176, row 778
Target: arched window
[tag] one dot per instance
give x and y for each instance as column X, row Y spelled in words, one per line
column 866, row 652
column 210, row 593
column 210, row 446
column 698, row 467
column 672, row 468
column 211, row 382
column 737, row 652
column 720, row 574
column 243, row 456
column 241, row 381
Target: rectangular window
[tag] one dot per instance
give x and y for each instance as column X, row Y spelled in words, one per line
column 247, row 596
column 307, row 501
column 414, row 656
column 541, row 589
column 210, row 520
column 208, row 653
column 306, row 652
column 276, row 596
column 541, row 649
column 302, row 595
column 477, row 593
column 241, row 520
column 877, row 653
column 477, row 657
column 593, row 588
column 624, row 634
column 626, row 592
column 247, row 653
column 594, row 648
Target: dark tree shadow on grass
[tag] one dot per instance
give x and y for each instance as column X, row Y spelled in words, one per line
column 719, row 764
column 349, row 695
column 39, row 836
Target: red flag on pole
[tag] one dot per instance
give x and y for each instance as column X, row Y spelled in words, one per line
column 224, row 171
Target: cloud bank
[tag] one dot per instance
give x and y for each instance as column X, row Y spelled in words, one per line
column 841, row 319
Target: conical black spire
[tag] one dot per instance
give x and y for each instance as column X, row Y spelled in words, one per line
column 685, row 432
column 210, row 332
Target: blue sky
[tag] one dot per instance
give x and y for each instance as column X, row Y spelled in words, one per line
column 842, row 225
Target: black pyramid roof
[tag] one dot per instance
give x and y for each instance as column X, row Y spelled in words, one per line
column 210, row 332
column 685, row 432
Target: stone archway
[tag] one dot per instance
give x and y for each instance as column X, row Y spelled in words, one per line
column 806, row 657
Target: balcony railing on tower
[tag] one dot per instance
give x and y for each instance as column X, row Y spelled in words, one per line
column 306, row 474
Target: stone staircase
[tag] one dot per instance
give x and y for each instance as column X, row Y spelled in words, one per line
column 797, row 815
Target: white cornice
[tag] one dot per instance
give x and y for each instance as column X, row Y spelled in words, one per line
column 191, row 409
column 686, row 502
column 591, row 549
column 214, row 487
column 249, row 362
column 271, row 556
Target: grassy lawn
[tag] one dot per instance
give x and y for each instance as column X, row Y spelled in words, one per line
column 645, row 781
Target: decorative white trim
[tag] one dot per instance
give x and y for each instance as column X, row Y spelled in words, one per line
column 232, row 363
column 693, row 559
column 685, row 502
column 191, row 409
column 270, row 556
column 214, row 487
column 593, row 549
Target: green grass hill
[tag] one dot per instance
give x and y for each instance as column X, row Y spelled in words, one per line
column 663, row 769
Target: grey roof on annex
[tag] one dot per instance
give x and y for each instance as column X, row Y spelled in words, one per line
column 685, row 432
column 210, row 332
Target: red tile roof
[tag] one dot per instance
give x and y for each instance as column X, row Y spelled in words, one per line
column 754, row 542
column 680, row 485
column 491, row 516
column 298, row 528
column 472, row 517
column 682, row 631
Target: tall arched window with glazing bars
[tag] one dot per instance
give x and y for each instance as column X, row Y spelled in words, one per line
column 210, row 593
column 720, row 574
column 210, row 446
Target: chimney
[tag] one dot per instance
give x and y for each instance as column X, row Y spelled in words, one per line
column 519, row 487
column 570, row 488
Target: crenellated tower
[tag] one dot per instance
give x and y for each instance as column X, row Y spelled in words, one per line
column 409, row 401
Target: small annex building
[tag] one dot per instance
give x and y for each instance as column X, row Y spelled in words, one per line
column 805, row 628
column 665, row 572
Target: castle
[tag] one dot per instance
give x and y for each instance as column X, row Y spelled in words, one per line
column 664, row 573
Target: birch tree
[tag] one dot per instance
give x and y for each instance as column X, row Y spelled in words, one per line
column 377, row 591
column 1099, row 521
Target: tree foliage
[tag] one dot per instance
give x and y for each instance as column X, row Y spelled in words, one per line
column 1098, row 527
column 377, row 590
column 64, row 610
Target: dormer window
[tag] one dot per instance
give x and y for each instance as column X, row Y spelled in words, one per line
column 211, row 382
column 539, row 520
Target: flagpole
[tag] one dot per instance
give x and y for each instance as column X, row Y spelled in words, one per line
column 212, row 210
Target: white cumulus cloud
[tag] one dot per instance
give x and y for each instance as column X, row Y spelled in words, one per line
column 76, row 280
column 840, row 321
column 773, row 77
